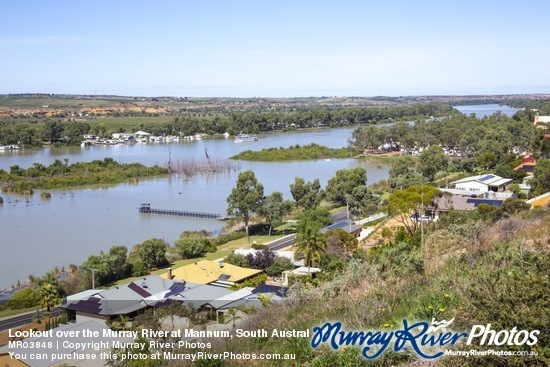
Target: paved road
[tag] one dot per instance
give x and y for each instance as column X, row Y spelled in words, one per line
column 20, row 320
column 283, row 242
column 339, row 216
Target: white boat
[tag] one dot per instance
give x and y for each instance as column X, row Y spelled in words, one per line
column 242, row 138
column 11, row 147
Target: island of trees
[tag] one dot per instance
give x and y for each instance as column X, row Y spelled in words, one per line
column 293, row 153
column 62, row 175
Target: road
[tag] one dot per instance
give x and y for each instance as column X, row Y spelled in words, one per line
column 283, row 242
column 21, row 320
column 290, row 239
column 339, row 216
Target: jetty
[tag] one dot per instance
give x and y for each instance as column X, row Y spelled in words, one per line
column 146, row 209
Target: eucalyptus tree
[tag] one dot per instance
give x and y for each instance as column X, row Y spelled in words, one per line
column 246, row 198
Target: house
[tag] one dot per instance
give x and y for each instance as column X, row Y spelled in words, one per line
column 483, row 183
column 63, row 352
column 446, row 203
column 525, row 185
column 127, row 299
column 541, row 120
column 528, row 165
column 141, row 134
column 540, row 200
column 211, row 272
column 347, row 225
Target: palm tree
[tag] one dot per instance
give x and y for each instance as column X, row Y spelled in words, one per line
column 232, row 315
column 310, row 244
column 49, row 296
column 266, row 299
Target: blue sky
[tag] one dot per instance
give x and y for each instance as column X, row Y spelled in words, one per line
column 275, row 48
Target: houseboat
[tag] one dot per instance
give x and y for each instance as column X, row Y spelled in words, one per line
column 243, row 138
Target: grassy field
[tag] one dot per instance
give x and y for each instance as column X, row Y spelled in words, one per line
column 58, row 102
column 10, row 312
column 129, row 122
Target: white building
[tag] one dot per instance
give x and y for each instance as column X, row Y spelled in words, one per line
column 483, row 183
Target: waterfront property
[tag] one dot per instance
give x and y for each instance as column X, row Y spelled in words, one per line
column 123, row 300
column 211, row 272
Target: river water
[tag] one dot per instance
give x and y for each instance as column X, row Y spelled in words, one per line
column 36, row 235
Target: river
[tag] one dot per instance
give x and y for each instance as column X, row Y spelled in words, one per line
column 40, row 234
column 36, row 235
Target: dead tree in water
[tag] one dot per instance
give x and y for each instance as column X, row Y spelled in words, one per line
column 191, row 167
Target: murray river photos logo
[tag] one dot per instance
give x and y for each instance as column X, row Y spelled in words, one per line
column 421, row 337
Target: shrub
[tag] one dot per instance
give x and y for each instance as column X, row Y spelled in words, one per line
column 227, row 237
column 192, row 247
column 139, row 269
column 237, row 260
column 279, row 265
column 26, row 298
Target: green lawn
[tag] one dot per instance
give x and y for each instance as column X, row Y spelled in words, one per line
column 9, row 312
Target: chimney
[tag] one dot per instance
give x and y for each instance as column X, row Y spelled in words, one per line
column 170, row 276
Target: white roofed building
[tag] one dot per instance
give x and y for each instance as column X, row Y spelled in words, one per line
column 483, row 183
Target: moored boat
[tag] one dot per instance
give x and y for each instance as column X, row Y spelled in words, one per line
column 242, row 138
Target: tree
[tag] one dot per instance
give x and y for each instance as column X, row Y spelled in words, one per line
column 237, row 260
column 310, row 244
column 261, row 259
column 404, row 204
column 102, row 130
column 153, row 253
column 306, row 194
column 26, row 298
column 49, row 296
column 540, row 183
column 246, row 198
column 53, row 131
column 279, row 265
column 432, row 160
column 342, row 239
column 344, row 182
column 362, row 201
column 273, row 208
column 108, row 266
column 116, row 258
column 191, row 246
column 319, row 217
column 232, row 315
column 75, row 130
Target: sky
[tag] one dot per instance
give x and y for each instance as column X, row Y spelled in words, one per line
column 284, row 48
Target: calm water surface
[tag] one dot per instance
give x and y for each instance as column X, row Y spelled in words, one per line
column 37, row 235
column 486, row 110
